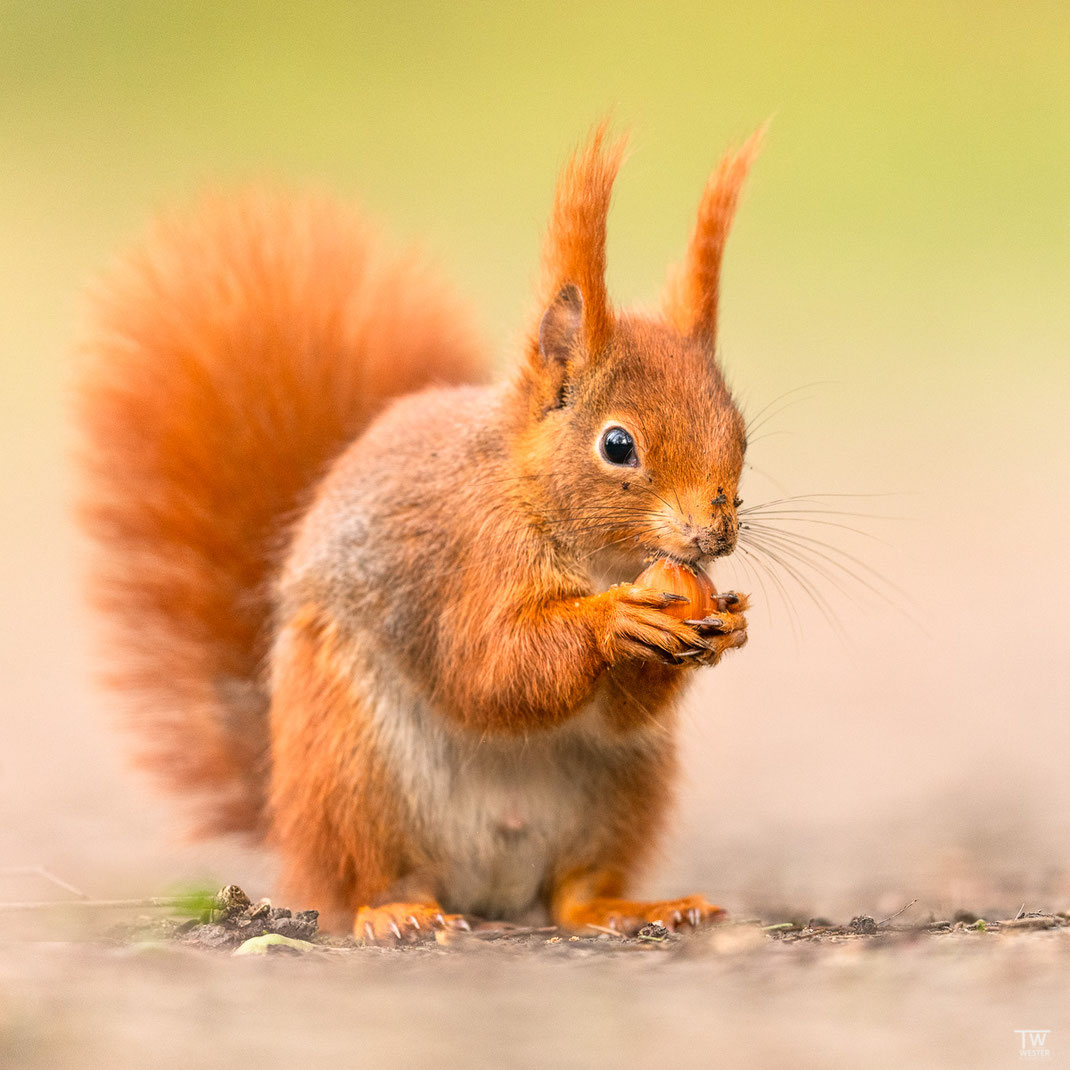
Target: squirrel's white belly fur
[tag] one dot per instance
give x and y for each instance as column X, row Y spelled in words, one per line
column 497, row 817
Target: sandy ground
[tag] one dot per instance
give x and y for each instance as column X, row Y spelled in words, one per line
column 735, row 996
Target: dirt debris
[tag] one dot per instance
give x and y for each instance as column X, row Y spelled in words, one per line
column 232, row 918
column 227, row 922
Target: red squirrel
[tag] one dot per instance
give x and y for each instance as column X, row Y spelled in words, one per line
column 382, row 616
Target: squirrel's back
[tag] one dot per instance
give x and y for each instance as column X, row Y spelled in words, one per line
column 234, row 355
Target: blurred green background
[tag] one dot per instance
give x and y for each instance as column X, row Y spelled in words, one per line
column 904, row 243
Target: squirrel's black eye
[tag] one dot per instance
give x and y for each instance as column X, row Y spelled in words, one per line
column 618, row 447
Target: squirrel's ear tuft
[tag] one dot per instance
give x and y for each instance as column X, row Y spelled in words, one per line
column 575, row 250
column 561, row 327
column 691, row 300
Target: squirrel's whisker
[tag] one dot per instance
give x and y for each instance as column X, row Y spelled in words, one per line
column 790, row 518
column 783, row 562
column 762, row 567
column 790, row 553
column 826, row 551
column 756, row 421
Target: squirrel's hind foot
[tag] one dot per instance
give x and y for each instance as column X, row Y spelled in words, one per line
column 628, row 916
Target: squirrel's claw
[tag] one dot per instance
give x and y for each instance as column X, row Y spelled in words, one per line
column 720, row 644
column 723, row 631
column 403, row 923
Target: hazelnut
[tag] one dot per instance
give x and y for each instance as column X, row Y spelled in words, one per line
column 696, row 587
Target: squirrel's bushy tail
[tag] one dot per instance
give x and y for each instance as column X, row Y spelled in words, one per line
column 233, row 356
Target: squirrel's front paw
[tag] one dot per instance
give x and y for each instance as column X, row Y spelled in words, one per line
column 403, row 923
column 724, row 630
column 637, row 627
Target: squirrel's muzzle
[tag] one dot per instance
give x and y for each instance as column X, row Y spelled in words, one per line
column 718, row 539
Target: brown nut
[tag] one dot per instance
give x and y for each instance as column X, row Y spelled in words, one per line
column 696, row 587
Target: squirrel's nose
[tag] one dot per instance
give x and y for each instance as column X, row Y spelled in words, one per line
column 718, row 538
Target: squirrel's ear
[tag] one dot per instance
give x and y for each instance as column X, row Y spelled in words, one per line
column 691, row 298
column 574, row 254
column 561, row 327
column 560, row 350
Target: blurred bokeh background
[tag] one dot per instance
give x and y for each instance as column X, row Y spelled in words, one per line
column 902, row 255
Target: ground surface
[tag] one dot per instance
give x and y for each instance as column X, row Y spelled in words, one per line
column 134, row 987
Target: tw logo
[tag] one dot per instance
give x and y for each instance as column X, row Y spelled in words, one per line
column 1034, row 1043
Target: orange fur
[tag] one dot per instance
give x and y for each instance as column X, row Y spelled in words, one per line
column 575, row 247
column 692, row 300
column 337, row 821
column 467, row 706
column 585, row 900
column 234, row 355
